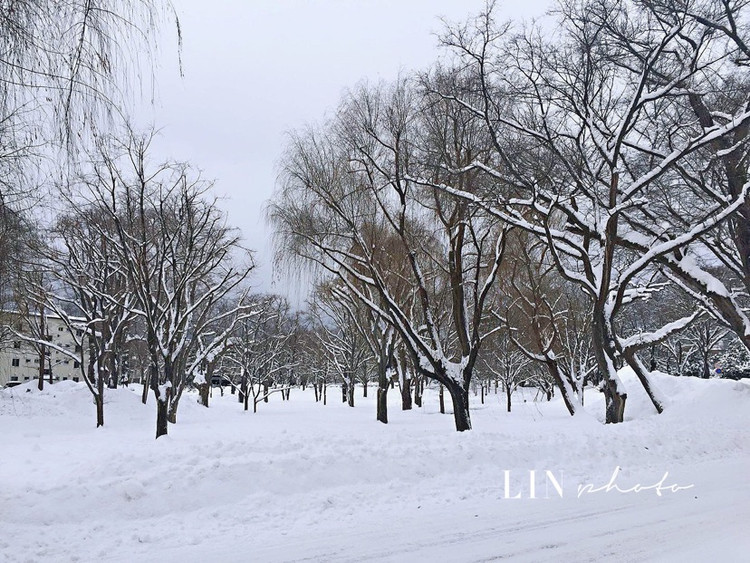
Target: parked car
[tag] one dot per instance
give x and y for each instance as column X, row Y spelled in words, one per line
column 217, row 381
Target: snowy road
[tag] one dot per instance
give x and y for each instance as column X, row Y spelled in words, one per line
column 686, row 526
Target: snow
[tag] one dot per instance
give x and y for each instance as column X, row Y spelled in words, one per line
column 645, row 338
column 163, row 389
column 303, row 481
column 712, row 285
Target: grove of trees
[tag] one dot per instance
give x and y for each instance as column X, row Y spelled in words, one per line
column 536, row 210
column 541, row 185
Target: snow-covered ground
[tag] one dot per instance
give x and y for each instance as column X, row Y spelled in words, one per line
column 299, row 481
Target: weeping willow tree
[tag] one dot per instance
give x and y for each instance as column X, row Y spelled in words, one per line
column 348, row 205
column 65, row 64
column 67, row 69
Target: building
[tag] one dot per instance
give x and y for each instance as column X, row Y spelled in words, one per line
column 20, row 360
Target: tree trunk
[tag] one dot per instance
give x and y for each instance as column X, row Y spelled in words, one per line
column 315, row 388
column 418, row 391
column 42, row 349
column 605, row 353
column 112, row 374
column 460, row 398
column 344, row 389
column 204, row 389
column 615, row 401
column 162, row 402
column 643, row 377
column 174, row 403
column 382, row 403
column 144, row 394
column 242, row 395
column 266, row 386
column 350, row 394
column 706, row 368
column 99, row 401
column 508, row 393
column 162, row 408
column 441, row 396
column 203, row 392
column 40, row 384
column 560, row 379
column 364, row 388
column 482, row 393
column 406, row 394
column 325, row 393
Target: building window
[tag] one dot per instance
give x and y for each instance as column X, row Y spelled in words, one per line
column 28, row 360
column 78, row 348
column 14, row 378
column 75, row 379
column 60, row 329
column 16, row 344
column 46, row 371
column 15, row 362
column 36, row 360
column 65, row 378
column 76, row 364
column 25, row 378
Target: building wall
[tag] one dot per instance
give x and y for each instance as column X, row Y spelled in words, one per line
column 19, row 360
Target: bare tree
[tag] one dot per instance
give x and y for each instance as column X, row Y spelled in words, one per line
column 579, row 126
column 177, row 251
column 66, row 69
column 258, row 354
column 95, row 300
column 73, row 61
column 349, row 181
column 507, row 363
column 342, row 336
column 534, row 317
column 207, row 347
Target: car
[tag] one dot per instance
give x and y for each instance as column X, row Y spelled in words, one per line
column 217, row 381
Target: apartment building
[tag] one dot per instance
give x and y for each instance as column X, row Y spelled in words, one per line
column 20, row 360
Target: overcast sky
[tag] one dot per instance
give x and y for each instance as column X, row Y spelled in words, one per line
column 255, row 69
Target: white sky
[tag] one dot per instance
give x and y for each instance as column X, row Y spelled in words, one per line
column 255, row 69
